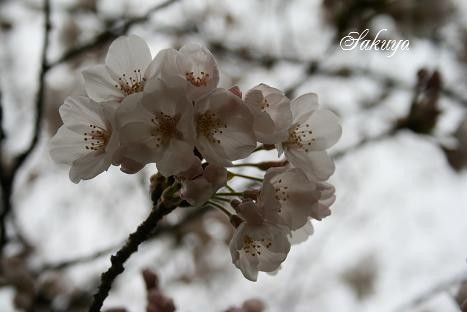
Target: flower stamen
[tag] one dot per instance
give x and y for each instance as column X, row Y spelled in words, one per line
column 254, row 247
column 198, row 81
column 166, row 128
column 97, row 138
column 300, row 136
column 133, row 84
column 264, row 105
column 210, row 125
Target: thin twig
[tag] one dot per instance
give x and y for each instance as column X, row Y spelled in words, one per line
column 141, row 234
column 246, row 176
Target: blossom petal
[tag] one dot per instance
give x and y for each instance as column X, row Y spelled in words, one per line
column 127, row 54
column 224, row 128
column 271, row 102
column 303, row 106
column 99, row 85
column 89, row 166
column 295, row 193
column 79, row 112
column 201, row 62
column 138, row 142
column 326, row 130
column 260, row 247
column 316, row 164
column 300, row 235
column 213, row 153
column 177, row 157
column 196, row 191
column 67, row 146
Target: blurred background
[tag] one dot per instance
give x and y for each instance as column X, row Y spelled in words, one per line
column 396, row 240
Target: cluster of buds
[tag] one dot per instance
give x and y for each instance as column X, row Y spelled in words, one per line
column 169, row 110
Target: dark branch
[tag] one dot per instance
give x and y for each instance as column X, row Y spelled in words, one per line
column 141, row 234
column 115, row 29
column 8, row 176
column 2, row 134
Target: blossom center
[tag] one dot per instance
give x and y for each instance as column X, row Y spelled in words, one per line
column 197, row 81
column 255, row 247
column 166, row 128
column 264, row 105
column 97, row 138
column 208, row 125
column 300, row 136
column 131, row 84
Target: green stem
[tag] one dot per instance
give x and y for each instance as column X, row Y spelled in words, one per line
column 230, row 194
column 246, row 177
column 246, row 165
column 230, row 188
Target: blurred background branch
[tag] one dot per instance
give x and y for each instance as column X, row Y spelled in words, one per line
column 9, row 172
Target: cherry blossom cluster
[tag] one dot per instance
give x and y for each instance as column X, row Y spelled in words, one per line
column 169, row 110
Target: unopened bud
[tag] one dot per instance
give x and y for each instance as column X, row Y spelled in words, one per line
column 150, row 279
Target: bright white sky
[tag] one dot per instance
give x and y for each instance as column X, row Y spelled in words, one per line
column 398, row 202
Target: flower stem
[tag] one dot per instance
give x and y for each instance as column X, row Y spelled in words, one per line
column 230, row 188
column 246, row 176
column 230, row 194
column 246, row 165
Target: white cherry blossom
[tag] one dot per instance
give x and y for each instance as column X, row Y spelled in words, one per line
column 271, row 111
column 128, row 67
column 289, row 197
column 224, row 128
column 313, row 131
column 193, row 63
column 157, row 127
column 88, row 139
column 199, row 184
column 256, row 244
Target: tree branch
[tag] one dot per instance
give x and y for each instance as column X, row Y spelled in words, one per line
column 2, row 134
column 8, row 176
column 114, row 30
column 141, row 234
